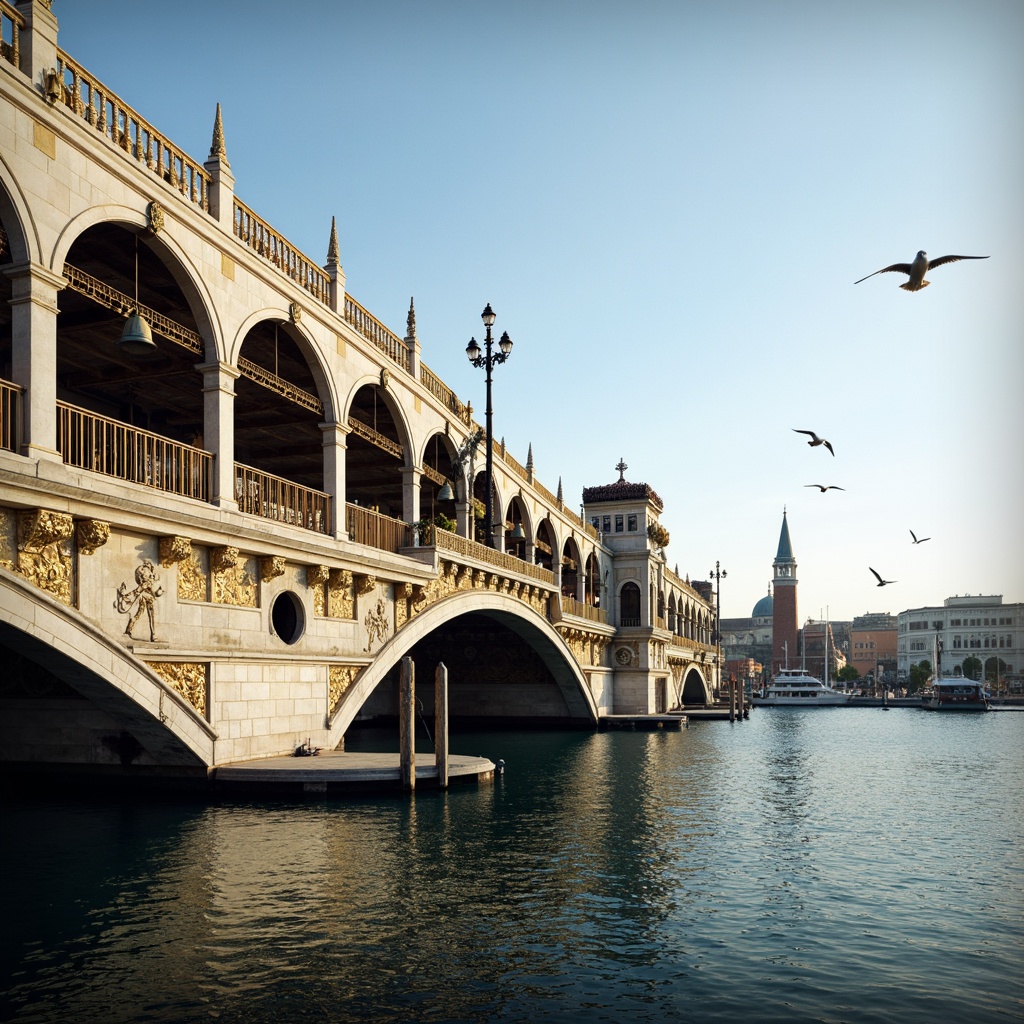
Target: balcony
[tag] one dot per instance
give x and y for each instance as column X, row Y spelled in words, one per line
column 271, row 497
column 10, row 416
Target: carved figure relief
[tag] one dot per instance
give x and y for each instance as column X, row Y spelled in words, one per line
column 341, row 597
column 377, row 624
column 188, row 679
column 192, row 584
column 234, row 579
column 142, row 600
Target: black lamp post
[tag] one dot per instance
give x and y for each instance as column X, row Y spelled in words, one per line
column 717, row 575
column 489, row 360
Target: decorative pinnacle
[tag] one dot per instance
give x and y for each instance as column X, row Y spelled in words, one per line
column 218, row 151
column 410, row 320
column 558, row 497
column 529, row 458
column 333, row 253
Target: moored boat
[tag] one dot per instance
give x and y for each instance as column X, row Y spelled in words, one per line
column 794, row 687
column 956, row 695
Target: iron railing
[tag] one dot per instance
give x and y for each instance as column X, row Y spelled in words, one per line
column 366, row 526
column 10, row 416
column 272, row 497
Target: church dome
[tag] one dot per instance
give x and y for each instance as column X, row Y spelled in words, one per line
column 763, row 608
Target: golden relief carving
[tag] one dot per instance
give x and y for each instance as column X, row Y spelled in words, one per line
column 187, row 678
column 223, row 558
column 319, row 600
column 316, row 574
column 155, row 214
column 365, row 584
column 7, row 545
column 44, row 551
column 91, row 535
column 192, row 583
column 235, row 583
column 271, row 566
column 174, row 549
column 340, row 679
column 377, row 624
column 140, row 601
column 341, row 596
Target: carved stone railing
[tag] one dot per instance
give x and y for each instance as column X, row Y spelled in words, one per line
column 259, row 236
column 444, row 394
column 116, row 449
column 480, row 552
column 11, row 24
column 10, row 416
column 684, row 586
column 570, row 606
column 365, row 526
column 271, row 497
column 373, row 330
column 516, row 467
column 136, row 137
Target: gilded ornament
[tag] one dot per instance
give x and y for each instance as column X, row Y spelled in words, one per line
column 188, row 679
column 317, row 574
column 365, row 584
column 140, row 601
column 294, row 312
column 155, row 217
column 223, row 558
column 174, row 549
column 91, row 534
column 236, row 584
column 271, row 566
column 44, row 551
column 377, row 625
column 341, row 595
column 340, row 679
column 385, row 378
column 192, row 584
column 7, row 545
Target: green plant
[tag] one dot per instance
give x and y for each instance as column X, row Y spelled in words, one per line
column 658, row 535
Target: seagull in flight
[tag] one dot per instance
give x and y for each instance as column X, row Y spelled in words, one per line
column 916, row 270
column 916, row 541
column 828, row 487
column 815, row 440
column 882, row 582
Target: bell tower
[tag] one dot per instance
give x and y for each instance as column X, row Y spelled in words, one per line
column 784, row 613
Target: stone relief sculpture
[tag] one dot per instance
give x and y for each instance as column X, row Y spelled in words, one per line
column 377, row 624
column 142, row 599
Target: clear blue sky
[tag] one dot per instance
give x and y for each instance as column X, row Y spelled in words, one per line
column 667, row 204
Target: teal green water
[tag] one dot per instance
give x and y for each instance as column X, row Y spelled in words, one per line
column 805, row 865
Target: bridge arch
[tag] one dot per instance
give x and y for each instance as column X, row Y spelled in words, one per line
column 532, row 628
column 62, row 641
column 695, row 687
column 16, row 217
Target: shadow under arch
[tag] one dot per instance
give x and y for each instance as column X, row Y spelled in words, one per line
column 695, row 688
column 66, row 644
column 532, row 628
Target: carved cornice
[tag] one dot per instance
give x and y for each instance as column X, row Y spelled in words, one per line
column 91, row 534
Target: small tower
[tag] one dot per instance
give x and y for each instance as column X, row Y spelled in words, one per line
column 784, row 611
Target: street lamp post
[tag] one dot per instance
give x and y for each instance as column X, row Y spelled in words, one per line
column 717, row 575
column 488, row 360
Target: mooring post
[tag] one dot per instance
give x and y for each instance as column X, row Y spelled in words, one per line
column 732, row 700
column 441, row 724
column 407, row 723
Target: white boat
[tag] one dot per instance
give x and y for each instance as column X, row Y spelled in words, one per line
column 956, row 695
column 794, row 687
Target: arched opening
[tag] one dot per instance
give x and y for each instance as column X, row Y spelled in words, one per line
column 592, row 581
column 516, row 533
column 135, row 417
column 629, row 605
column 544, row 545
column 672, row 613
column 571, row 569
column 694, row 689
column 375, row 455
column 288, row 617
column 438, row 473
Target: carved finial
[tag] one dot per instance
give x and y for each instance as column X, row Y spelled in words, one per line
column 676, row 570
column 218, row 151
column 333, row 253
column 410, row 321
column 529, row 458
column 622, row 467
column 503, row 448
column 558, row 496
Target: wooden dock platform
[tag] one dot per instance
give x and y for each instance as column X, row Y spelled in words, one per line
column 641, row 722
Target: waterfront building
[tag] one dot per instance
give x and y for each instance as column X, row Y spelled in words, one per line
column 232, row 500
column 873, row 646
column 817, row 636
column 978, row 637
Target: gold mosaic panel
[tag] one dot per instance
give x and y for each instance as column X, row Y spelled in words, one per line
column 188, row 679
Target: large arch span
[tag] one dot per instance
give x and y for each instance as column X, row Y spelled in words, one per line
column 543, row 640
column 65, row 645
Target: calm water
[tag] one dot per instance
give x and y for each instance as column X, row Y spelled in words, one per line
column 830, row 865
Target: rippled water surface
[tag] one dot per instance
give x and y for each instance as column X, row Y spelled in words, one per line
column 805, row 865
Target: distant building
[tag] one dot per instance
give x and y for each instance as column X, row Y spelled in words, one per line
column 818, row 636
column 976, row 636
column 750, row 639
column 784, row 608
column 873, row 646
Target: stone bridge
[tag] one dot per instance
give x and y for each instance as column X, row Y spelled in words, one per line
column 221, row 542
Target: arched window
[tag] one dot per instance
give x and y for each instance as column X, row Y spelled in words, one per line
column 629, row 605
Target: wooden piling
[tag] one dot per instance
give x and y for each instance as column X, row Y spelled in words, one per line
column 732, row 700
column 407, row 724
column 441, row 724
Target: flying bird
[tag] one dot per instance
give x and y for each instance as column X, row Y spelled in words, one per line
column 916, row 541
column 827, row 487
column 815, row 440
column 882, row 582
column 916, row 270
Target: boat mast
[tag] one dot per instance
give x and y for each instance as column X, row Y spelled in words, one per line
column 826, row 645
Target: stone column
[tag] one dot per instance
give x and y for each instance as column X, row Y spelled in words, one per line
column 219, row 428
column 34, row 354
column 335, row 447
column 411, row 493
